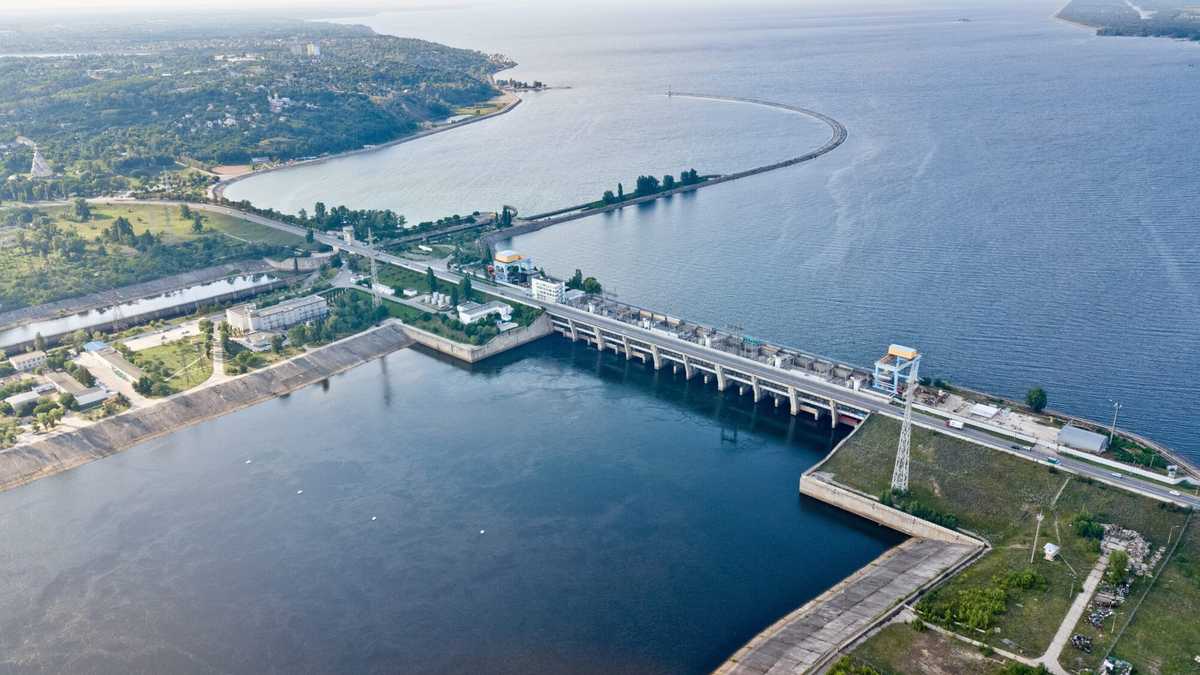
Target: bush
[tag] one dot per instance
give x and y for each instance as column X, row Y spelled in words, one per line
column 1118, row 565
column 1086, row 526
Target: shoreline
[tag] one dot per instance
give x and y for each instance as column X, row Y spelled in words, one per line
column 216, row 192
column 27, row 463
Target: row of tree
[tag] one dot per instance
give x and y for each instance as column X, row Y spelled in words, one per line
column 649, row 185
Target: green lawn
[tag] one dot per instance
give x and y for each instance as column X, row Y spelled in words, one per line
column 999, row 496
column 180, row 365
column 168, row 220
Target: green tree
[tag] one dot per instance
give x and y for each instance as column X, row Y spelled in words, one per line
column 431, row 279
column 590, row 285
column 68, row 401
column 39, row 342
column 1036, row 399
column 576, row 280
column 308, row 236
column 197, row 223
column 185, row 212
column 464, row 287
column 298, row 335
column 1118, row 565
column 83, row 212
column 277, row 344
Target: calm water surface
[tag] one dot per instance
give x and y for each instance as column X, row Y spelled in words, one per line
column 551, row 511
column 1017, row 197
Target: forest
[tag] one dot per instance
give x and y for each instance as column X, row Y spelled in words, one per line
column 1144, row 18
column 161, row 96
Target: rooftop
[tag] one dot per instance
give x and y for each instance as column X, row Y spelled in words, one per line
column 508, row 256
column 26, row 357
column 289, row 305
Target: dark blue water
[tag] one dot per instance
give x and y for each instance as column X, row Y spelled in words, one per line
column 1017, row 197
column 632, row 523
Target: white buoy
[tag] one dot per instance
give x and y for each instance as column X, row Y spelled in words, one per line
column 249, row 460
column 372, row 517
column 299, row 492
column 482, row 531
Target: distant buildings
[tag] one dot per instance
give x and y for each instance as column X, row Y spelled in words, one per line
column 511, row 267
column 546, row 290
column 470, row 312
column 27, row 362
column 249, row 318
column 40, row 168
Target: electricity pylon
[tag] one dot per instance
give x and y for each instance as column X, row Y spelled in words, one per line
column 900, row 471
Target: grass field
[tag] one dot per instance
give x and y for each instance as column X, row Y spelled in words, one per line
column 167, row 220
column 180, row 363
column 901, row 649
column 999, row 496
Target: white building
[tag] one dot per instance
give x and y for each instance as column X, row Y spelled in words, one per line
column 546, row 290
column 28, row 361
column 470, row 312
column 250, row 318
column 348, row 234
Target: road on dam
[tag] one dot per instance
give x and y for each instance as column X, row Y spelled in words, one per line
column 865, row 402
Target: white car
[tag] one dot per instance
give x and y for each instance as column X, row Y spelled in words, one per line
column 1117, row 475
column 1174, row 493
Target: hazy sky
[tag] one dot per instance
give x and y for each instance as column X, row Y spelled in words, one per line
column 332, row 7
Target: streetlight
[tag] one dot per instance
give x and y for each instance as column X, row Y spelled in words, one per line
column 1113, row 429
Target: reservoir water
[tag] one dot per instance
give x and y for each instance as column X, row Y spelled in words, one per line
column 1017, row 197
column 552, row 510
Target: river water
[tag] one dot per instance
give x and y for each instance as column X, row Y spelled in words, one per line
column 133, row 309
column 1017, row 197
column 551, row 510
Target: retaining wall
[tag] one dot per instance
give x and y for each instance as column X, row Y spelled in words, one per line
column 472, row 353
column 859, row 504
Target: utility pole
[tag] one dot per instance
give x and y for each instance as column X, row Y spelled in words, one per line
column 1113, row 429
column 900, row 471
column 374, row 271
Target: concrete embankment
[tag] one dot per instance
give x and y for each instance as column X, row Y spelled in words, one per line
column 512, row 339
column 27, row 463
column 806, row 639
column 810, row 637
column 820, row 487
